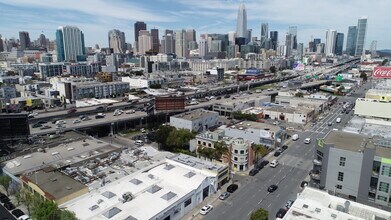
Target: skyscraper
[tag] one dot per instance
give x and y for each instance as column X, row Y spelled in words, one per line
column 24, row 39
column 274, row 39
column 181, row 49
column 231, row 37
column 361, row 33
column 117, row 41
column 351, row 40
column 339, row 44
column 168, row 44
column 241, row 23
column 288, row 44
column 191, row 39
column 293, row 31
column 203, row 48
column 315, row 44
column 155, row 40
column 138, row 26
column 249, row 34
column 70, row 43
column 144, row 42
column 1, row 44
column 373, row 48
column 330, row 42
column 264, row 34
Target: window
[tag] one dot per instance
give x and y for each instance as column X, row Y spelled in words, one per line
column 338, row 186
column 386, row 171
column 342, row 161
column 382, row 198
column 236, row 151
column 384, row 187
column 204, row 143
column 235, row 159
column 242, row 152
column 209, row 145
column 188, row 202
column 199, row 142
column 340, row 176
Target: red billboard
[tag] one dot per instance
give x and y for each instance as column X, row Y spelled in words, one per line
column 169, row 103
column 382, row 72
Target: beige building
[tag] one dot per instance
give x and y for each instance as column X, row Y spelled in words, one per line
column 53, row 185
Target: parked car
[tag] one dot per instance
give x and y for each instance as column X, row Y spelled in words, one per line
column 272, row 188
column 218, row 98
column 338, row 120
column 264, row 162
column 281, row 213
column 224, row 195
column 284, row 147
column 24, row 217
column 295, row 137
column 330, row 123
column 9, row 205
column 17, row 213
column 253, row 172
column 276, row 154
column 289, row 204
column 232, row 188
column 307, row 141
column 206, row 209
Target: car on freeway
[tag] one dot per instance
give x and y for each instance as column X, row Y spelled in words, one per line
column 272, row 188
column 227, row 96
column 42, row 122
column 130, row 111
column 232, row 188
column 45, row 127
column 218, row 98
column 36, row 125
column 206, row 209
column 99, row 115
column 253, row 172
column 224, row 195
column 60, row 122
column 307, row 141
column 76, row 121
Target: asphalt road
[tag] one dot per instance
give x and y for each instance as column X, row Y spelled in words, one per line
column 295, row 164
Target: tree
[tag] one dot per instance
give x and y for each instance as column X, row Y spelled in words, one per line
column 259, row 149
column 162, row 133
column 364, row 76
column 385, row 61
column 340, row 90
column 220, row 149
column 5, row 181
column 67, row 215
column 273, row 69
column 260, row 214
column 178, row 137
column 299, row 94
column 27, row 199
column 46, row 210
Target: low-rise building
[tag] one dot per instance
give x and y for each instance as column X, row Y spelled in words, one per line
column 142, row 82
column 242, row 154
column 354, row 166
column 168, row 190
column 289, row 114
column 10, row 80
column 226, row 108
column 365, row 107
column 317, row 204
column 257, row 133
column 53, row 185
column 197, row 120
column 317, row 105
column 50, row 69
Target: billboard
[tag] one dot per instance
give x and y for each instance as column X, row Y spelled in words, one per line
column 14, row 126
column 167, row 103
column 382, row 72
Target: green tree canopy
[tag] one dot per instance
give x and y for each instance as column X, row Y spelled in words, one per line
column 162, row 133
column 273, row 69
column 299, row 94
column 243, row 116
column 364, row 76
column 178, row 138
column 5, row 181
column 260, row 214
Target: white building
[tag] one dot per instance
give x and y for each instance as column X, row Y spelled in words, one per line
column 331, row 36
column 166, row 191
column 144, row 42
column 142, row 82
column 197, row 120
column 258, row 133
column 241, row 154
column 161, row 57
column 227, row 107
column 317, row 204
column 289, row 114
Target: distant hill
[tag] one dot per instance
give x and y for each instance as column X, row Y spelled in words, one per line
column 384, row 53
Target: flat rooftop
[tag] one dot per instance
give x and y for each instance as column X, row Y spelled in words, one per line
column 290, row 110
column 56, row 184
column 255, row 125
column 383, row 92
column 198, row 163
column 195, row 114
column 154, row 191
column 348, row 141
column 57, row 157
column 316, row 204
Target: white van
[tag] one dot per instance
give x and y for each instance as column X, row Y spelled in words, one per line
column 295, row 137
column 338, row 120
column 274, row 163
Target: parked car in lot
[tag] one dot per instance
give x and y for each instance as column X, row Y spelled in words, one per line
column 24, row 217
column 330, row 123
column 224, row 195
column 232, row 188
column 295, row 137
column 253, row 172
column 272, row 188
column 206, row 209
column 37, row 125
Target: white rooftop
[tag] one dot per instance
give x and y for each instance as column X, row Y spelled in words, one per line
column 316, row 204
column 154, row 190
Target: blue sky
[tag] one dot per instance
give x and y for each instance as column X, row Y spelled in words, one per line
column 96, row 17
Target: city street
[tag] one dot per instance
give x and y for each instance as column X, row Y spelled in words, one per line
column 295, row 164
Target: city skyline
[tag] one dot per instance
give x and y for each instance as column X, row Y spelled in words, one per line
column 217, row 16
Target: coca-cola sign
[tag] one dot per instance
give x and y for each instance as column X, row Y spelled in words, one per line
column 382, row 72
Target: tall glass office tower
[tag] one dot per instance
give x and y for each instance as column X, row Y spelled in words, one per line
column 351, row 40
column 70, row 43
column 361, row 33
column 241, row 25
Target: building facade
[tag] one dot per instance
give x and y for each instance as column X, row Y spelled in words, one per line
column 70, row 43
column 242, row 154
column 351, row 40
column 197, row 120
column 361, row 34
column 117, row 41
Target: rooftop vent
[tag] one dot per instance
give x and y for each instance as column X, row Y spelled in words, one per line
column 108, row 194
column 154, row 189
column 305, row 206
column 318, row 210
column 169, row 166
column 53, row 179
column 168, row 196
column 112, row 212
column 190, row 174
column 333, row 215
column 92, row 208
column 135, row 181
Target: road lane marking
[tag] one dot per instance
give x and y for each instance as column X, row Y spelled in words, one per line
column 278, row 195
column 269, row 205
column 249, row 213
